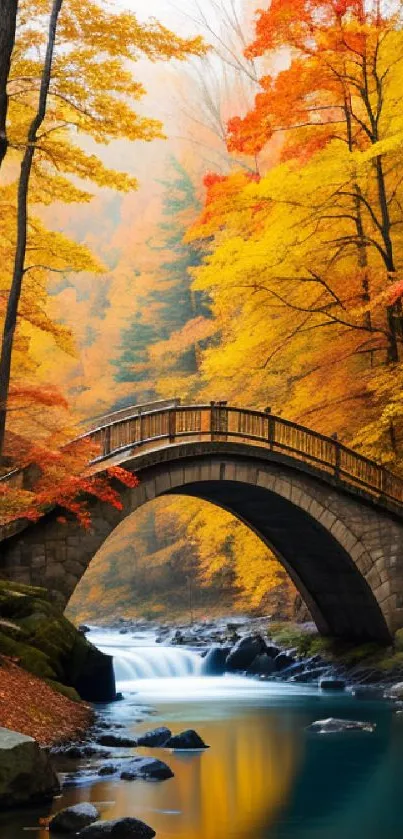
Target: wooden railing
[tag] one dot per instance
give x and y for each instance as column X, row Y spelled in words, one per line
column 134, row 431
column 219, row 422
column 124, row 413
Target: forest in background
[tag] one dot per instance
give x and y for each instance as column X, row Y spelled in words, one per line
column 260, row 264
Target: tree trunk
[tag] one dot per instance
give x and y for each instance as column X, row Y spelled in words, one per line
column 8, row 17
column 22, row 214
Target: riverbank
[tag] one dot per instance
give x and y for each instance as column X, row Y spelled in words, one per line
column 29, row 705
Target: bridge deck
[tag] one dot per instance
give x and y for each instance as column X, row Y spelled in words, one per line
column 135, row 434
column 134, row 431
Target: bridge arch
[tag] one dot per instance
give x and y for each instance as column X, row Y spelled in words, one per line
column 343, row 551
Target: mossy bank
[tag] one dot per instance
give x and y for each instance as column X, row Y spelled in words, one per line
column 35, row 635
column 368, row 662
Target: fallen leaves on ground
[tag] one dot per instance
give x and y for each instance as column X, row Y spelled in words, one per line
column 29, row 705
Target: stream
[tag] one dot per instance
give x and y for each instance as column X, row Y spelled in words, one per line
column 264, row 777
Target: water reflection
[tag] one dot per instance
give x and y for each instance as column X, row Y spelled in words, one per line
column 264, row 777
column 234, row 789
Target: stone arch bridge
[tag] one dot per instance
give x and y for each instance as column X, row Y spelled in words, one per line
column 332, row 517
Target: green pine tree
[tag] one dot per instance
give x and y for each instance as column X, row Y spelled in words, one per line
column 173, row 298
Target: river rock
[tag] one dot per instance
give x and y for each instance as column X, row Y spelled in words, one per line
column 292, row 671
column 335, row 726
column 121, row 741
column 283, row 661
column 186, row 740
column 396, row 691
column 310, row 675
column 214, row 662
column 178, row 638
column 108, row 769
column 262, row 665
column 272, row 650
column 156, row 737
column 79, row 750
column 332, row 684
column 73, row 818
column 128, row 828
column 26, row 774
column 147, row 768
column 244, row 652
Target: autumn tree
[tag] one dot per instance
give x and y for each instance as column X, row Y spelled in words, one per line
column 8, row 20
column 310, row 252
column 83, row 81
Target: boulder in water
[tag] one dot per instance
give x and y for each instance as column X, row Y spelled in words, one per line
column 26, row 774
column 156, row 737
column 128, row 828
column 108, row 769
column 293, row 670
column 335, row 726
column 186, row 740
column 309, row 675
column 214, row 662
column 178, row 638
column 147, row 768
column 283, row 661
column 244, row 652
column 396, row 691
column 118, row 740
column 73, row 818
column 79, row 750
column 332, row 684
column 262, row 665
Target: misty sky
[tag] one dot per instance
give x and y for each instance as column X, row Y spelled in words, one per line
column 173, row 13
column 164, row 10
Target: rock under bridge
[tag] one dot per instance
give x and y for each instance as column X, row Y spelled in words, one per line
column 333, row 518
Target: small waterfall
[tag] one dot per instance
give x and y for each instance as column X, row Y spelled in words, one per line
column 154, row 663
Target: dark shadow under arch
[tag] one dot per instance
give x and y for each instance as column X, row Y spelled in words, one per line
column 339, row 598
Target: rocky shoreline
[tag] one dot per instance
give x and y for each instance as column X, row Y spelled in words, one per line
column 279, row 652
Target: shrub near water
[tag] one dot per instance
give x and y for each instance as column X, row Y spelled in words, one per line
column 369, row 655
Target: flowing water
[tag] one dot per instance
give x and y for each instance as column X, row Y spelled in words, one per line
column 264, row 777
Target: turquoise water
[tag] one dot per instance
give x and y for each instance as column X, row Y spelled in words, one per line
column 264, row 777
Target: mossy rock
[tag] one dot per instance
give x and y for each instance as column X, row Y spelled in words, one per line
column 23, row 589
column 70, row 692
column 49, row 646
column 399, row 640
column 12, row 605
column 35, row 661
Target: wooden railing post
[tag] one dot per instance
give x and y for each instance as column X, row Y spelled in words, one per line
column 172, row 424
column 383, row 480
column 107, row 440
column 218, row 420
column 271, row 431
column 337, row 458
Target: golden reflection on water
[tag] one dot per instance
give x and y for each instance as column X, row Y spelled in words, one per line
column 236, row 788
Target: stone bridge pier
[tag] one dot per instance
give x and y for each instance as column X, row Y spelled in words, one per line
column 342, row 548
